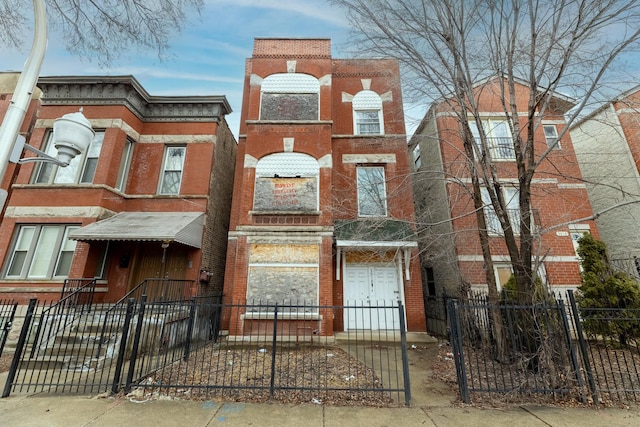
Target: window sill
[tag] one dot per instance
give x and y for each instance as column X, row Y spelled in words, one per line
column 278, row 122
column 281, row 316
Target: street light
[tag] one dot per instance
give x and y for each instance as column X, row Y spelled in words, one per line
column 11, row 142
column 72, row 134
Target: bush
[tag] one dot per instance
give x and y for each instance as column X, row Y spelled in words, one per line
column 609, row 301
column 510, row 292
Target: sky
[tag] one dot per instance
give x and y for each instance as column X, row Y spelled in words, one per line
column 208, row 56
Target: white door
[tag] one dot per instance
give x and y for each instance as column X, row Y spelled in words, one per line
column 372, row 295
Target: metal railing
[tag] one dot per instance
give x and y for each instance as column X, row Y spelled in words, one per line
column 270, row 352
column 160, row 290
column 555, row 349
column 77, row 299
column 7, row 313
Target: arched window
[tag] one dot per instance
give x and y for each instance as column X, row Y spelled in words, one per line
column 367, row 113
column 286, row 182
column 290, row 97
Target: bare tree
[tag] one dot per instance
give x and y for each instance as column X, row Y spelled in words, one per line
column 550, row 46
column 102, row 29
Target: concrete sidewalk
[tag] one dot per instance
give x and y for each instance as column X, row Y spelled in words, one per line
column 69, row 411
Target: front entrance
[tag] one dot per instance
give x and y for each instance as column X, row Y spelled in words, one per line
column 154, row 261
column 371, row 285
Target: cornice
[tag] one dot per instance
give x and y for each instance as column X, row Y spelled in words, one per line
column 126, row 91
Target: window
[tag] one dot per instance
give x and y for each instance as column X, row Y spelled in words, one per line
column 286, row 182
column 431, row 281
column 513, row 211
column 101, row 266
column 367, row 113
column 416, row 157
column 125, row 164
column 290, row 97
column 576, row 232
column 551, row 135
column 41, row 252
column 367, row 123
column 372, row 197
column 284, row 273
column 498, row 136
column 502, row 273
column 81, row 170
column 172, row 170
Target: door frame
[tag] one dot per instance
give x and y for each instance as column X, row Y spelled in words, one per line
column 396, row 264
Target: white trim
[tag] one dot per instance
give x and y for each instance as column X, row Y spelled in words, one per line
column 505, row 258
column 369, row 158
column 375, row 244
column 52, row 212
column 579, row 227
column 281, row 316
column 572, row 186
column 549, row 181
column 250, row 161
column 284, row 264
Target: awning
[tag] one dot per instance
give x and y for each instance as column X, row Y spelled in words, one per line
column 181, row 227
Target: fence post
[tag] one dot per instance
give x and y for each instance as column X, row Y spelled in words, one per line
column 7, row 327
column 583, row 345
column 405, row 357
column 273, row 351
column 574, row 359
column 455, row 336
column 123, row 344
column 22, row 340
column 192, row 316
column 136, row 343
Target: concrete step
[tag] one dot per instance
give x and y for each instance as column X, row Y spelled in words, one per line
column 74, row 337
column 75, row 349
column 45, row 362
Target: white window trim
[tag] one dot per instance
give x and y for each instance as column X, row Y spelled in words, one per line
column 578, row 230
column 555, row 139
column 125, row 165
column 417, row 160
column 488, row 130
column 31, row 251
column 367, row 101
column 384, row 196
column 78, row 163
column 356, row 123
column 491, row 216
column 163, row 170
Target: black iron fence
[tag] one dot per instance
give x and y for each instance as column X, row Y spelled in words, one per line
column 266, row 352
column 555, row 349
column 7, row 313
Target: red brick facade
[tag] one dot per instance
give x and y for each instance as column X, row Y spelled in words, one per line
column 559, row 198
column 286, row 247
column 119, row 107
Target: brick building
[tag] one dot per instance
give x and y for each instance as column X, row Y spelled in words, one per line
column 149, row 199
column 607, row 143
column 452, row 254
column 322, row 211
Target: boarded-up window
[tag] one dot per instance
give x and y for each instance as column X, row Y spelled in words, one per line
column 290, row 97
column 286, row 274
column 286, row 182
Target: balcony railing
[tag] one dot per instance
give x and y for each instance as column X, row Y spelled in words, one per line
column 500, row 147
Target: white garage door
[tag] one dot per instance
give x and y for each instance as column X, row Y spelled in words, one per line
column 372, row 294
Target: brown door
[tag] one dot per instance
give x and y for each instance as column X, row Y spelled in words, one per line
column 153, row 261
